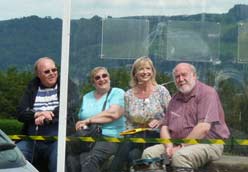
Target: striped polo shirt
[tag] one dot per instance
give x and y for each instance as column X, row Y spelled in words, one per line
column 46, row 99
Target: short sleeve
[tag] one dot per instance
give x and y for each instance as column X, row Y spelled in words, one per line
column 165, row 96
column 208, row 110
column 126, row 103
column 116, row 97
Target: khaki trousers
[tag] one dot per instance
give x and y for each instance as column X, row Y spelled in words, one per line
column 192, row 156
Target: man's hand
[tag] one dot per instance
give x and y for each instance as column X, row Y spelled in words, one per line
column 39, row 120
column 171, row 150
column 168, row 149
column 41, row 117
column 48, row 115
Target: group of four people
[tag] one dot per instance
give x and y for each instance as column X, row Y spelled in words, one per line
column 194, row 112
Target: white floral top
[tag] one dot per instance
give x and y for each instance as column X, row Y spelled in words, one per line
column 139, row 112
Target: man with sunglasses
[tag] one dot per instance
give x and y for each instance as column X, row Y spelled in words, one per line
column 39, row 111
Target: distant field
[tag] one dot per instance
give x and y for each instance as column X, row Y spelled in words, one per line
column 10, row 126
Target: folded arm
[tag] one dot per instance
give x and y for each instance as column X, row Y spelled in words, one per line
column 113, row 113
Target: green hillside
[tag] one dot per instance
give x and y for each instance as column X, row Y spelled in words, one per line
column 23, row 40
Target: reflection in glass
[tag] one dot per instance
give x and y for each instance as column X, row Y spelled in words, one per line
column 242, row 42
column 124, row 38
column 193, row 41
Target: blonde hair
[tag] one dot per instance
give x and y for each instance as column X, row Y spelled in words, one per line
column 136, row 65
column 94, row 71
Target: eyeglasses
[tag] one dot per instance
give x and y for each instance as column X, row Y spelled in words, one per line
column 101, row 76
column 53, row 70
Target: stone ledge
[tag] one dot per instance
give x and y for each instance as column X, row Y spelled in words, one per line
column 230, row 163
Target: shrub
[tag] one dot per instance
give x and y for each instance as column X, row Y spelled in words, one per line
column 10, row 126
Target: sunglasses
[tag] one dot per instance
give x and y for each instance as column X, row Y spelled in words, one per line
column 101, row 76
column 53, row 70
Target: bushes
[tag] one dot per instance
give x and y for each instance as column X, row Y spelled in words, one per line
column 12, row 85
column 10, row 126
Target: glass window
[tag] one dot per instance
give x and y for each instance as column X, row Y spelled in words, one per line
column 210, row 34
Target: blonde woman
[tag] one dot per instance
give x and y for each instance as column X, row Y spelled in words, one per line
column 145, row 105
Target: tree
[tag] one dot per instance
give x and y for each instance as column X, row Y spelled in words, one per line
column 12, row 85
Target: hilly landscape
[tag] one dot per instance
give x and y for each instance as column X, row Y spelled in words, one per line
column 23, row 40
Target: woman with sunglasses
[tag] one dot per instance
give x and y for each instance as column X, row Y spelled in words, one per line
column 145, row 105
column 111, row 120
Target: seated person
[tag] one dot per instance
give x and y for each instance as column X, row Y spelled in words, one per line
column 39, row 111
column 145, row 104
column 195, row 112
column 110, row 118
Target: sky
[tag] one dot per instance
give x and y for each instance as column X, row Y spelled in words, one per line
column 10, row 9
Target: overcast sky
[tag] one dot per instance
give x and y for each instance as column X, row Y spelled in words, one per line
column 116, row 8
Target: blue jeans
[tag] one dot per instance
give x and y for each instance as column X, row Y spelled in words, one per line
column 38, row 151
column 93, row 160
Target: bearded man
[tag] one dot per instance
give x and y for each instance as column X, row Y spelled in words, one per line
column 194, row 112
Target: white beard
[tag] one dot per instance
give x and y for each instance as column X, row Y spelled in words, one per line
column 188, row 87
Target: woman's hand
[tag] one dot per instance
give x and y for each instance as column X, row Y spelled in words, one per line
column 154, row 123
column 82, row 124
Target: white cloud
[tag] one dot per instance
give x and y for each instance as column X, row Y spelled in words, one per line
column 20, row 8
column 115, row 8
column 118, row 8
